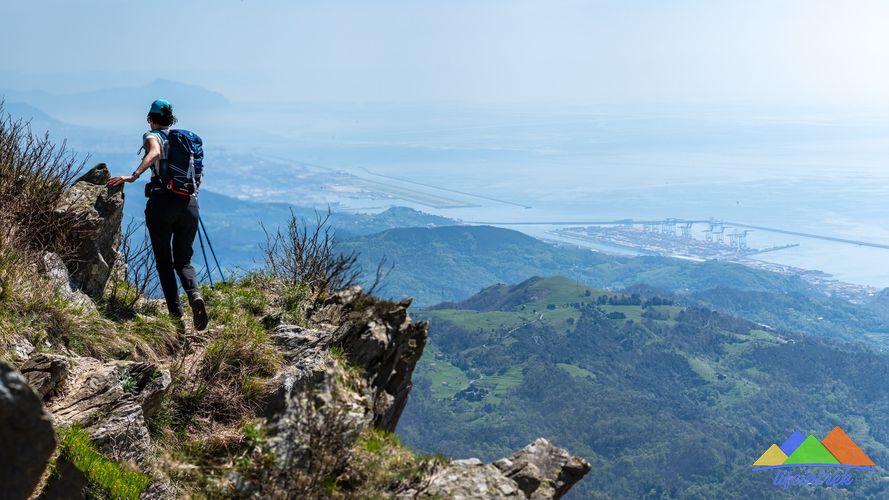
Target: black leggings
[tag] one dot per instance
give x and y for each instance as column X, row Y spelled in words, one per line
column 172, row 222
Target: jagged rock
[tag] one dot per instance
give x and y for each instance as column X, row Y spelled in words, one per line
column 27, row 439
column 320, row 415
column 101, row 209
column 18, row 347
column 538, row 471
column 302, row 348
column 111, row 402
column 464, row 480
column 316, row 411
column 379, row 336
column 44, row 372
column 54, row 268
column 376, row 335
column 543, row 470
column 305, row 352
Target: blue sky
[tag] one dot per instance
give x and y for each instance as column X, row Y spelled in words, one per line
column 792, row 52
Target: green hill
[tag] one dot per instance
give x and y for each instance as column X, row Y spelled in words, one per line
column 452, row 262
column 449, row 263
column 456, row 261
column 665, row 400
column 506, row 297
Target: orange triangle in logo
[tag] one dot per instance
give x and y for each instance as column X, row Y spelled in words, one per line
column 841, row 446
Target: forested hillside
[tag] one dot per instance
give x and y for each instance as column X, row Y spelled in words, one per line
column 663, row 400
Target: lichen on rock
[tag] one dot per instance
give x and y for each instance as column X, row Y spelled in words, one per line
column 109, row 400
column 93, row 248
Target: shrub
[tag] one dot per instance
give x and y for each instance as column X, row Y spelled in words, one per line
column 134, row 276
column 304, row 256
column 34, row 177
column 299, row 255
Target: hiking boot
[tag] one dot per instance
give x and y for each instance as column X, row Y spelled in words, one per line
column 200, row 312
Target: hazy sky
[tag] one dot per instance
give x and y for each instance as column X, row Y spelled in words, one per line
column 622, row 51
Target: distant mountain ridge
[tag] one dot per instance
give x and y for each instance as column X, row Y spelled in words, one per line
column 234, row 224
column 504, row 255
column 448, row 264
column 437, row 260
column 112, row 102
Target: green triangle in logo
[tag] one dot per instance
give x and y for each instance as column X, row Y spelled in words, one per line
column 811, row 452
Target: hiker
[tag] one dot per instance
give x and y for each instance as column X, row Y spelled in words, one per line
column 171, row 213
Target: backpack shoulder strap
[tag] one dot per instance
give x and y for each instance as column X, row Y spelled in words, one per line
column 160, row 136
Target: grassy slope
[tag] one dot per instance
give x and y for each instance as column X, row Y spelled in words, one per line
column 207, row 426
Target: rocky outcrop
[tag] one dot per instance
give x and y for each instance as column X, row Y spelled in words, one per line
column 100, row 209
column 538, row 471
column 320, row 404
column 466, row 479
column 44, row 372
column 53, row 267
column 27, row 439
column 319, row 420
column 543, row 470
column 304, row 351
column 109, row 400
column 380, row 337
column 375, row 336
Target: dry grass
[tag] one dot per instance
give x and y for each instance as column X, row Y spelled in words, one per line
column 381, row 465
column 217, row 388
column 32, row 308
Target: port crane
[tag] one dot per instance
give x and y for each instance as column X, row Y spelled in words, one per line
column 719, row 235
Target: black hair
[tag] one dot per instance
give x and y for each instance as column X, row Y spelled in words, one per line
column 165, row 118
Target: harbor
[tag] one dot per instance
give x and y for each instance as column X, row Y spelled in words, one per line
column 706, row 239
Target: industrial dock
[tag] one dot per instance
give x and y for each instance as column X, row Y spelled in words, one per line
column 702, row 240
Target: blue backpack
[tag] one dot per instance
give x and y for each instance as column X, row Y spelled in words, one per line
column 181, row 172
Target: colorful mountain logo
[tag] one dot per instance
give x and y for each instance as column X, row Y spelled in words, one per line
column 836, row 450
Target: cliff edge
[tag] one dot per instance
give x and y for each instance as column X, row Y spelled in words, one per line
column 291, row 393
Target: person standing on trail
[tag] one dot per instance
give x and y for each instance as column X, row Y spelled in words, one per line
column 171, row 213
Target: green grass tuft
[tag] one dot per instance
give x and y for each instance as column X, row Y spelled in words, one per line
column 113, row 478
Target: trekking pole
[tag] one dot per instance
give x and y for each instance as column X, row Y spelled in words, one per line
column 206, row 264
column 212, row 252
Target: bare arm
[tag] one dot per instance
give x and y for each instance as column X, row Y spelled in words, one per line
column 152, row 154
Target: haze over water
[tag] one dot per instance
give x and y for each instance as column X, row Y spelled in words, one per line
column 824, row 176
column 761, row 112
